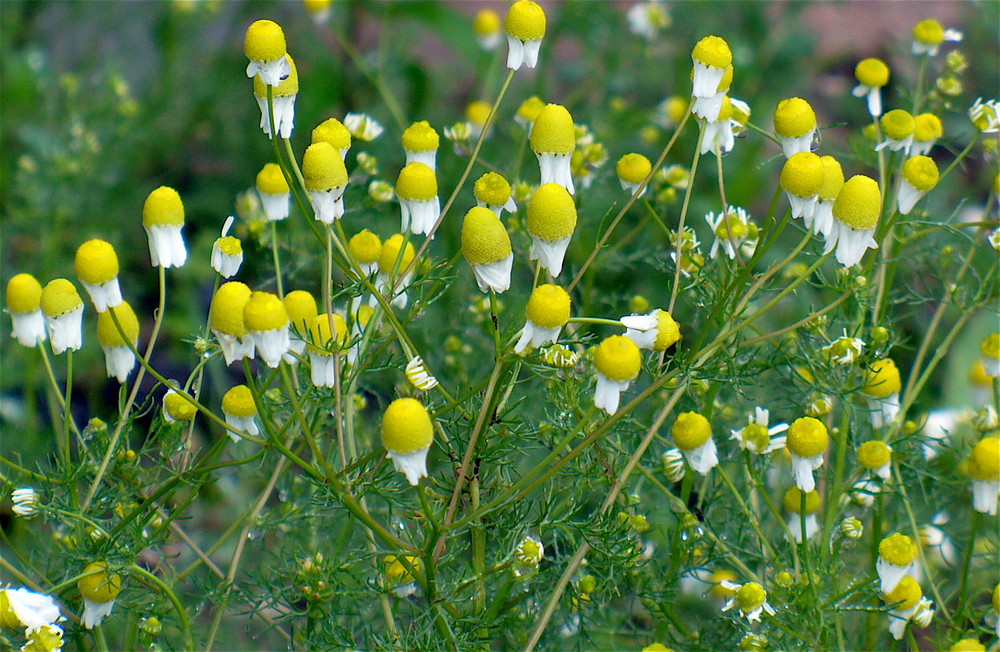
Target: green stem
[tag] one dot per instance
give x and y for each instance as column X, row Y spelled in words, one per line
column 680, row 224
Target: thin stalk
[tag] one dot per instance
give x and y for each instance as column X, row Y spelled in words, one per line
column 680, row 224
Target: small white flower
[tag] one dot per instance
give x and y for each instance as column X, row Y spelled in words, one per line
column 362, row 126
column 646, row 19
column 227, row 252
column 32, row 609
column 757, row 437
column 751, row 598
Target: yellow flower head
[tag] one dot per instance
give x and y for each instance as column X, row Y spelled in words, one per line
column 99, row 585
column 390, row 251
column 802, row 174
column 990, row 346
column 897, row 549
column 833, row 179
column 921, row 172
column 984, row 463
column 929, row 31
column 807, row 437
column 525, row 21
column 289, row 85
column 107, row 333
column 334, row 132
column 872, row 72
column 163, row 207
column 553, row 131
column 406, row 426
column 365, row 247
column 750, row 596
column 668, row 331
column 905, row 596
column 551, row 213
column 264, row 41
column 96, row 262
column 633, row 168
column 530, row 108
column 59, row 296
column 238, row 402
column 793, row 501
column 690, row 431
column 322, row 336
column 264, row 312
column 618, row 358
column 486, row 23
column 492, row 189
column 793, row 118
column 484, row 238
column 24, row 294
column 927, row 126
column 478, row 112
column 967, row 645
column 897, row 124
column 882, row 379
column 858, row 202
column 713, row 51
column 323, row 167
column 301, row 308
column 417, row 182
column 179, row 407
column 271, row 181
column 397, row 572
column 548, row 306
column 226, row 313
column 420, row 137
column 874, row 454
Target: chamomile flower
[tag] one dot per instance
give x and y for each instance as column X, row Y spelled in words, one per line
column 806, row 441
column 967, row 645
column 876, row 456
column 671, row 111
column 487, row 28
column 618, row 363
column 24, row 303
column 990, row 348
column 656, row 331
column 795, row 125
column 407, row 434
column 647, row 19
column 527, row 555
column 673, row 464
column 719, row 136
column 872, row 74
column 897, row 558
column 163, row 219
column 632, row 170
column 494, row 192
column 99, row 587
column 984, row 467
column 366, row 248
column 796, row 515
column 821, row 221
column 855, row 213
column 525, row 27
column 551, row 221
column 398, row 575
column 750, row 598
column 486, row 247
column 929, row 34
column 318, row 9
column 393, row 260
column 324, row 344
column 420, row 143
column 334, row 132
column 301, row 308
column 732, row 230
column 240, row 409
column 708, row 108
column 927, row 129
column 692, row 434
column 937, row 542
column 417, row 190
column 325, row 181
column 264, row 44
column 757, row 437
column 711, row 57
column 274, row 193
column 545, row 315
column 920, row 175
column 881, row 390
column 266, row 320
column 852, row 528
column 553, row 140
column 282, row 103
column 802, row 179
column 97, row 268
column 416, row 372
column 528, row 112
column 227, row 252
column 905, row 598
column 118, row 357
column 985, row 116
column 225, row 319
column 177, row 407
column 476, row 115
column 897, row 127
column 23, row 608
column 362, row 126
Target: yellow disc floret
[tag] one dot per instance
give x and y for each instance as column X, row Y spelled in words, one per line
column 690, row 431
column 927, row 126
column 618, row 358
column 807, row 437
column 833, row 179
column 420, row 137
column 633, row 168
column 897, row 124
column 107, row 333
column 492, row 189
column 323, row 167
column 226, row 313
column 882, row 379
column 390, row 252
column 484, row 238
column 264, row 312
column 802, row 174
column 96, row 262
column 548, row 306
column 551, row 213
column 229, row 245
column 264, row 41
column 794, row 117
column 179, row 407
column 486, row 23
column 984, row 463
column 990, row 346
column 750, row 596
column 238, row 402
column 897, row 549
column 858, row 202
column 928, row 31
column 289, row 85
column 271, row 181
column 907, row 594
column 793, row 501
column 321, row 336
column 334, row 132
column 668, row 331
column 921, row 172
column 301, row 308
column 406, row 427
column 553, row 131
column 365, row 247
column 530, row 108
column 24, row 294
column 713, row 51
column 525, row 21
column 163, row 207
column 874, row 454
column 872, row 72
column 99, row 585
column 417, row 182
column 59, row 296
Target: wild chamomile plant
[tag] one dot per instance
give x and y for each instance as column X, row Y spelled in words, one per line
column 553, row 360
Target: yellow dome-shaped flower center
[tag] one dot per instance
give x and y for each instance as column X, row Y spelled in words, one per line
column 967, row 645
column 530, row 108
column 750, row 596
column 334, row 132
column 713, row 51
column 478, row 112
column 322, row 336
column 264, row 312
column 390, row 252
column 794, row 117
column 872, row 72
column 417, row 182
column 833, row 179
column 323, row 168
column 984, row 464
column 271, row 181
column 226, row 313
column 178, row 407
column 163, row 207
column 553, row 131
column 921, row 172
column 551, row 213
column 264, row 41
column 756, row 435
column 406, row 427
column 96, row 262
column 492, row 189
column 807, row 437
column 882, row 379
column 548, row 306
column 229, row 245
column 633, row 168
column 907, row 593
column 897, row 549
column 484, row 238
column 668, row 331
column 802, row 174
column 59, row 297
column 927, row 126
column 618, row 358
column 525, row 21
column 365, row 247
column 24, row 294
column 897, row 124
column 486, row 23
column 107, row 333
column 793, row 501
column 874, row 454
column 301, row 308
column 397, row 572
column 99, row 586
column 420, row 137
column 690, row 431
column 928, row 31
column 238, row 402
column 990, row 346
column 858, row 202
